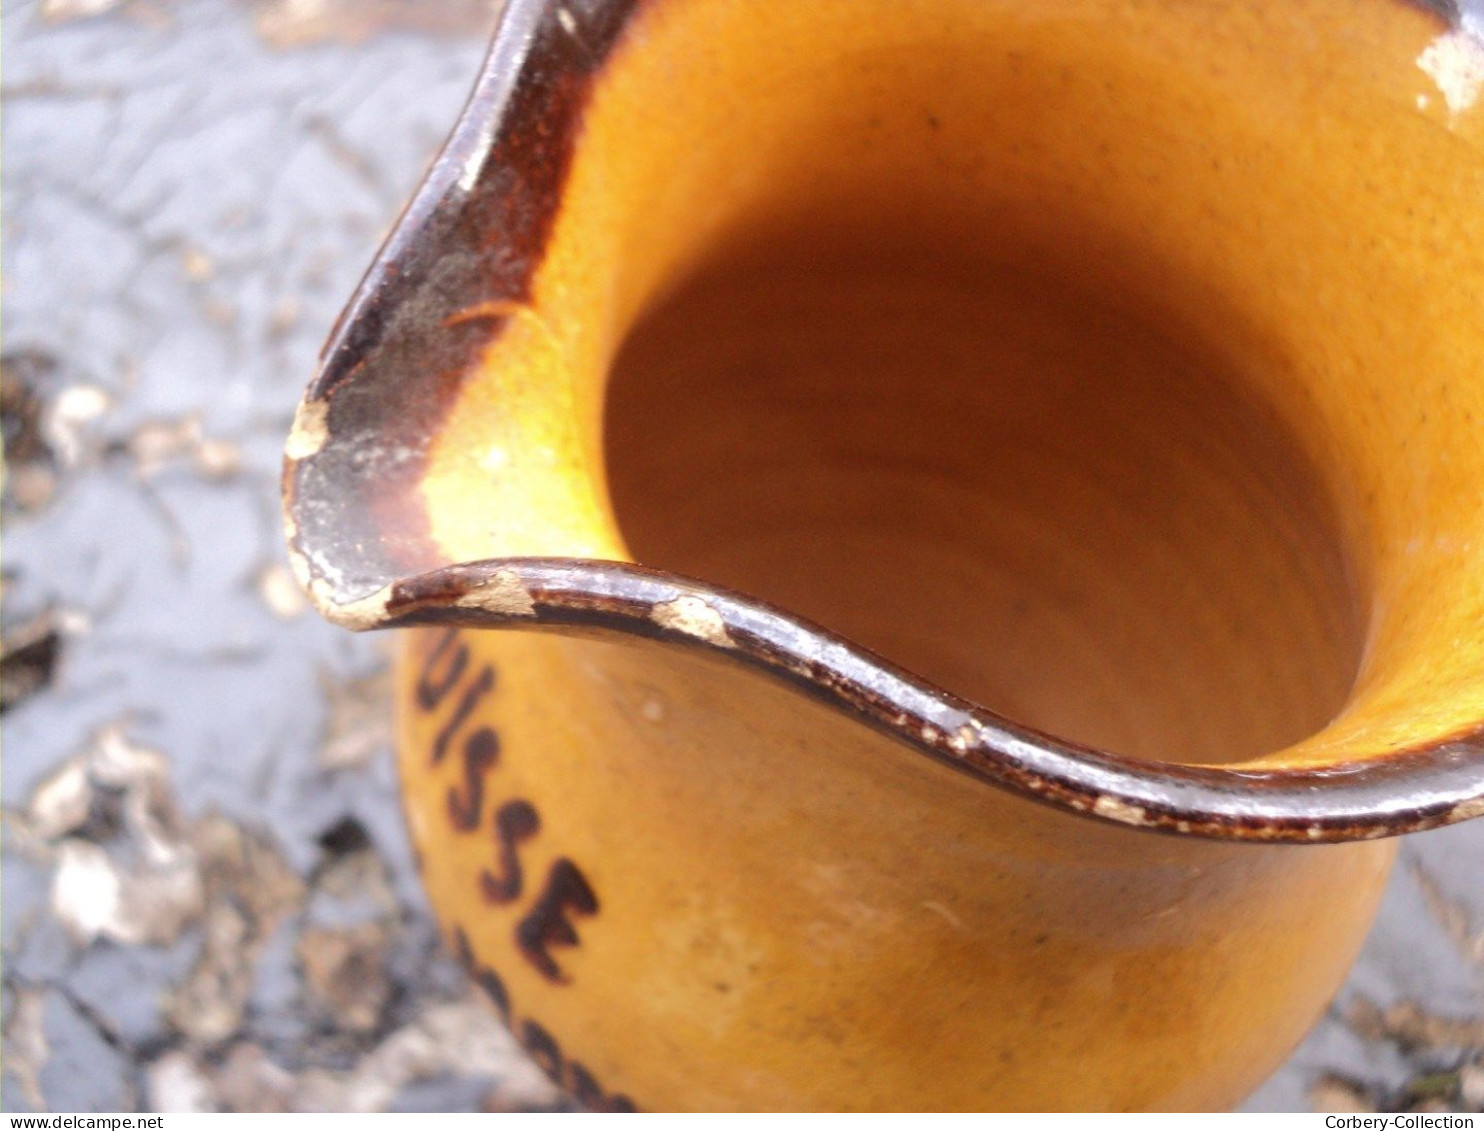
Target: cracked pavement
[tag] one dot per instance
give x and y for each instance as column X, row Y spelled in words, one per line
column 209, row 898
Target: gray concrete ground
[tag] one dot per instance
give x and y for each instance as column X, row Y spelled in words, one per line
column 208, row 901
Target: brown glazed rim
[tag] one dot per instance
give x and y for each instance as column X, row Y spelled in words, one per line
column 471, row 240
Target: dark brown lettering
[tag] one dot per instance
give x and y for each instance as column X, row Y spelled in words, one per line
column 494, row 987
column 433, row 685
column 537, row 1039
column 547, row 924
column 481, row 752
column 483, row 684
column 462, row 950
column 515, row 821
column 485, row 978
column 585, row 1090
column 543, row 1048
column 589, row 1093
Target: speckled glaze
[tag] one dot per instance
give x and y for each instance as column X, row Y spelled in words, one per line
column 916, row 452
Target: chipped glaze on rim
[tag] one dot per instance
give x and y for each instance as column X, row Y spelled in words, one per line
column 395, row 363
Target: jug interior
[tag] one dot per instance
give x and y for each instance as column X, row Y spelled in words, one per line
column 1111, row 365
column 1063, row 507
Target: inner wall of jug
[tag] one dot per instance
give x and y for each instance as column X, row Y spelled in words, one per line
column 998, row 357
column 1050, row 500
column 1100, row 364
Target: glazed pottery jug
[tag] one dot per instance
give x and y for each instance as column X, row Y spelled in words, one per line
column 939, row 536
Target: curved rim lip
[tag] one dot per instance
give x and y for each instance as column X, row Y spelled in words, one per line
column 1402, row 790
column 1406, row 791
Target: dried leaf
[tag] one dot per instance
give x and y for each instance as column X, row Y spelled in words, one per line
column 280, row 592
column 457, row 1037
column 1451, row 915
column 30, row 487
column 208, row 1006
column 63, row 11
column 244, row 1080
column 1471, row 1085
column 344, row 970
column 247, row 869
column 117, row 762
column 249, row 1081
column 28, row 657
column 250, row 891
column 1413, row 1028
column 26, row 1048
column 30, row 464
column 177, row 1083
column 449, row 1038
column 95, row 896
column 1430, row 1087
column 25, row 378
column 60, row 804
column 284, row 318
column 218, row 459
column 1336, row 1095
column 68, row 421
column 359, row 877
column 198, row 265
column 63, row 802
column 296, row 23
column 158, row 442
column 124, row 868
column 360, row 720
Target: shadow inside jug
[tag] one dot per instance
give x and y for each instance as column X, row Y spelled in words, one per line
column 1054, row 502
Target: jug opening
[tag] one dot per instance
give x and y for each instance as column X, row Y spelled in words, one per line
column 1105, row 369
column 1054, row 504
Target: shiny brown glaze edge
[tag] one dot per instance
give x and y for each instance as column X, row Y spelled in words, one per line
column 1406, row 790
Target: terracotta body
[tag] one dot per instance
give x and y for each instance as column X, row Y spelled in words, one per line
column 1111, row 370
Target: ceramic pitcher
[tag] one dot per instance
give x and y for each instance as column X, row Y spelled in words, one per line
column 938, row 539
